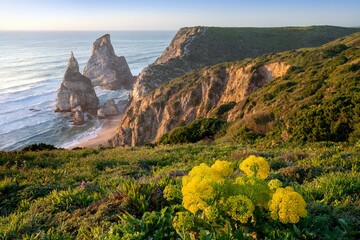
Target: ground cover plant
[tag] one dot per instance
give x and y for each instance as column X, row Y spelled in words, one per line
column 136, row 193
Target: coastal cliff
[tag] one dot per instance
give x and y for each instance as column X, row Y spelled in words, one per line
column 107, row 70
column 190, row 97
column 197, row 47
column 201, row 93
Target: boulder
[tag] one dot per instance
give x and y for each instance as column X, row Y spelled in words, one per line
column 78, row 118
column 76, row 91
column 107, row 70
column 108, row 109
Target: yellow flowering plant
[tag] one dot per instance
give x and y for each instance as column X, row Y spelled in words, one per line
column 287, row 205
column 255, row 166
column 217, row 197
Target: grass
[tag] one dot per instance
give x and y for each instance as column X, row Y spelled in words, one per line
column 118, row 193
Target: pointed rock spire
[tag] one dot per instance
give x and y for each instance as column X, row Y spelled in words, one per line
column 76, row 90
column 73, row 64
column 106, row 69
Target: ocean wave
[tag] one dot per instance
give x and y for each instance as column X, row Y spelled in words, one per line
column 27, row 86
column 29, row 97
column 16, row 144
column 13, row 127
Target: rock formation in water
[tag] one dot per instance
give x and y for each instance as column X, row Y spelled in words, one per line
column 107, row 70
column 76, row 91
column 109, row 108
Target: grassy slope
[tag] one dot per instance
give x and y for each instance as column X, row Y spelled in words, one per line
column 230, row 44
column 317, row 100
column 41, row 192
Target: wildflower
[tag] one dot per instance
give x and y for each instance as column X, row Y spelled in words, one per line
column 211, row 213
column 274, row 184
column 198, row 187
column 83, row 183
column 240, row 208
column 255, row 166
column 287, row 205
column 222, row 168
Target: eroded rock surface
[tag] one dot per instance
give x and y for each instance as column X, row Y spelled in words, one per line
column 107, row 70
column 190, row 97
column 76, row 90
column 108, row 109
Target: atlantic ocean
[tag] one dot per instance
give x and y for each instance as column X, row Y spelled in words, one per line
column 32, row 66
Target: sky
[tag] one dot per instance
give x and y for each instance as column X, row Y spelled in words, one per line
column 92, row 15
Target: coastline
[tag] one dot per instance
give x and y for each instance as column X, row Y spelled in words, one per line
column 107, row 131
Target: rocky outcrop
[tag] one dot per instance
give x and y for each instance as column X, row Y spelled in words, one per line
column 109, row 108
column 107, row 70
column 78, row 118
column 76, row 91
column 192, row 96
column 170, row 64
column 196, row 47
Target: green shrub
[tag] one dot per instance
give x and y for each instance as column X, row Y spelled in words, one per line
column 194, row 132
column 334, row 189
column 39, row 147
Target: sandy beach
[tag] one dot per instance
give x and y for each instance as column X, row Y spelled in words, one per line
column 107, row 131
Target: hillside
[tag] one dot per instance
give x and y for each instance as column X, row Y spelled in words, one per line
column 197, row 47
column 119, row 193
column 300, row 95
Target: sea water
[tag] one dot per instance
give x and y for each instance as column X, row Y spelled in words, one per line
column 32, row 66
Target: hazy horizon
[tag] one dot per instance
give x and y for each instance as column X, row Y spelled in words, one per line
column 161, row 15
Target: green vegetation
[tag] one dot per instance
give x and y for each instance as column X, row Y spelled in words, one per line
column 194, row 132
column 300, row 131
column 317, row 100
column 218, row 44
column 135, row 193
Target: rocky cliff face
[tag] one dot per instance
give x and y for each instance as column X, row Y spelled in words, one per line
column 196, row 47
column 160, row 104
column 170, row 64
column 192, row 96
column 107, row 70
column 76, row 90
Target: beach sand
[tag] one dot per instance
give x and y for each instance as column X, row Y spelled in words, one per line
column 107, row 131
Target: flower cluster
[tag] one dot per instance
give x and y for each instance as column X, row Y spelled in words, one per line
column 287, row 205
column 198, row 187
column 255, row 166
column 274, row 184
column 240, row 208
column 214, row 197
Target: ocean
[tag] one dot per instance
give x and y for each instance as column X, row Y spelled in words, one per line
column 32, row 66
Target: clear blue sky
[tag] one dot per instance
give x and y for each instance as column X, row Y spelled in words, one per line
column 173, row 14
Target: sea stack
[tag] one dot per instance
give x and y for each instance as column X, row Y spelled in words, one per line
column 76, row 91
column 107, row 70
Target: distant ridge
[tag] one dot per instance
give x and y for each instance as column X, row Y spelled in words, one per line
column 196, row 47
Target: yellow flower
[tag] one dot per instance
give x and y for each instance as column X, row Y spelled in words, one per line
column 274, row 184
column 222, row 168
column 198, row 186
column 240, row 208
column 287, row 205
column 255, row 166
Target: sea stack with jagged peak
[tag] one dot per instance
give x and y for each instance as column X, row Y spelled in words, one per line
column 107, row 70
column 76, row 92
